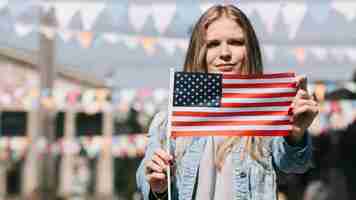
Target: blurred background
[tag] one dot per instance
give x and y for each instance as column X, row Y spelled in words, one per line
column 80, row 81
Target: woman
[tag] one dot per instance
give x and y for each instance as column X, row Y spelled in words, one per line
column 223, row 41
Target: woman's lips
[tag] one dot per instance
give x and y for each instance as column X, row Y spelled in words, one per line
column 225, row 67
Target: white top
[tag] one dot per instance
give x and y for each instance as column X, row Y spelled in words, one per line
column 212, row 183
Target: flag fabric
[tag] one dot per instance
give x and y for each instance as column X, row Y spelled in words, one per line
column 207, row 104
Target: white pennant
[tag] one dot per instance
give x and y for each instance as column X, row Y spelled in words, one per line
column 205, row 6
column 65, row 12
column 17, row 8
column 46, row 6
column 338, row 53
column 90, row 11
column 293, row 14
column 269, row 51
column 351, row 53
column 268, row 12
column 66, row 35
column 169, row 44
column 163, row 15
column 183, row 44
column 348, row 9
column 3, row 3
column 247, row 8
column 131, row 41
column 111, row 38
column 138, row 15
column 47, row 31
column 23, row 29
column 319, row 52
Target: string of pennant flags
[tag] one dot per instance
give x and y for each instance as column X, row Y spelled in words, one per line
column 163, row 13
column 333, row 115
column 122, row 146
column 169, row 44
column 90, row 14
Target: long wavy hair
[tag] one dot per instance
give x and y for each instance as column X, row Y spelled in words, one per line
column 195, row 62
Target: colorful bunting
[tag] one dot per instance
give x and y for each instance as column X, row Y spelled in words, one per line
column 348, row 9
column 163, row 15
column 90, row 11
column 293, row 14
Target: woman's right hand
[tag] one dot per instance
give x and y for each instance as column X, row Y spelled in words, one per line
column 156, row 170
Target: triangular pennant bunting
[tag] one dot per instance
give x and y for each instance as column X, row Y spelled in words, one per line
column 319, row 52
column 348, row 9
column 23, row 29
column 85, row 38
column 337, row 53
column 205, row 6
column 183, row 44
column 3, row 3
column 111, row 38
column 90, row 11
column 293, row 14
column 247, row 8
column 46, row 6
column 66, row 35
column 351, row 53
column 168, row 44
column 138, row 15
column 65, row 11
column 163, row 15
column 268, row 18
column 149, row 44
column 130, row 41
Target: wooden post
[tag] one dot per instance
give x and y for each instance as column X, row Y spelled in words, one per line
column 66, row 168
column 104, row 184
column 30, row 167
column 47, row 75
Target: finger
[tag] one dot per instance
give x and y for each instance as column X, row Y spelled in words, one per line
column 156, row 176
column 158, row 160
column 302, row 94
column 302, row 102
column 153, row 167
column 302, row 82
column 305, row 108
column 164, row 156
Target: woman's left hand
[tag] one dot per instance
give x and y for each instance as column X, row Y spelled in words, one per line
column 304, row 110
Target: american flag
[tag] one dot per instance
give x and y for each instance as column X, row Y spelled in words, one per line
column 207, row 104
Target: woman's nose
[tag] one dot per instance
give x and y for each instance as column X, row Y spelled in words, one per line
column 225, row 53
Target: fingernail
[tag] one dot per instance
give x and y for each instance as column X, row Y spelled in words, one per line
column 290, row 111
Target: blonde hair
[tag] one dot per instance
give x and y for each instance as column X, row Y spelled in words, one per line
column 195, row 62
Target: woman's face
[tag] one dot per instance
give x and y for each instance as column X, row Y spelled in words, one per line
column 226, row 51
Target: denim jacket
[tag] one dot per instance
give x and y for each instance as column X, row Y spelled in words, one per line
column 252, row 180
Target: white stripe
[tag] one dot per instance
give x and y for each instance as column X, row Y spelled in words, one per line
column 258, row 90
column 230, row 118
column 272, row 80
column 221, row 110
column 255, row 100
column 230, row 128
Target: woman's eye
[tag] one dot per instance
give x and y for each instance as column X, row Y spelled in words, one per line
column 237, row 42
column 213, row 44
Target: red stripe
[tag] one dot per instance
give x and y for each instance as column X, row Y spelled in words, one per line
column 260, row 85
column 258, row 95
column 232, row 123
column 286, row 103
column 263, row 76
column 227, row 114
column 230, row 133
